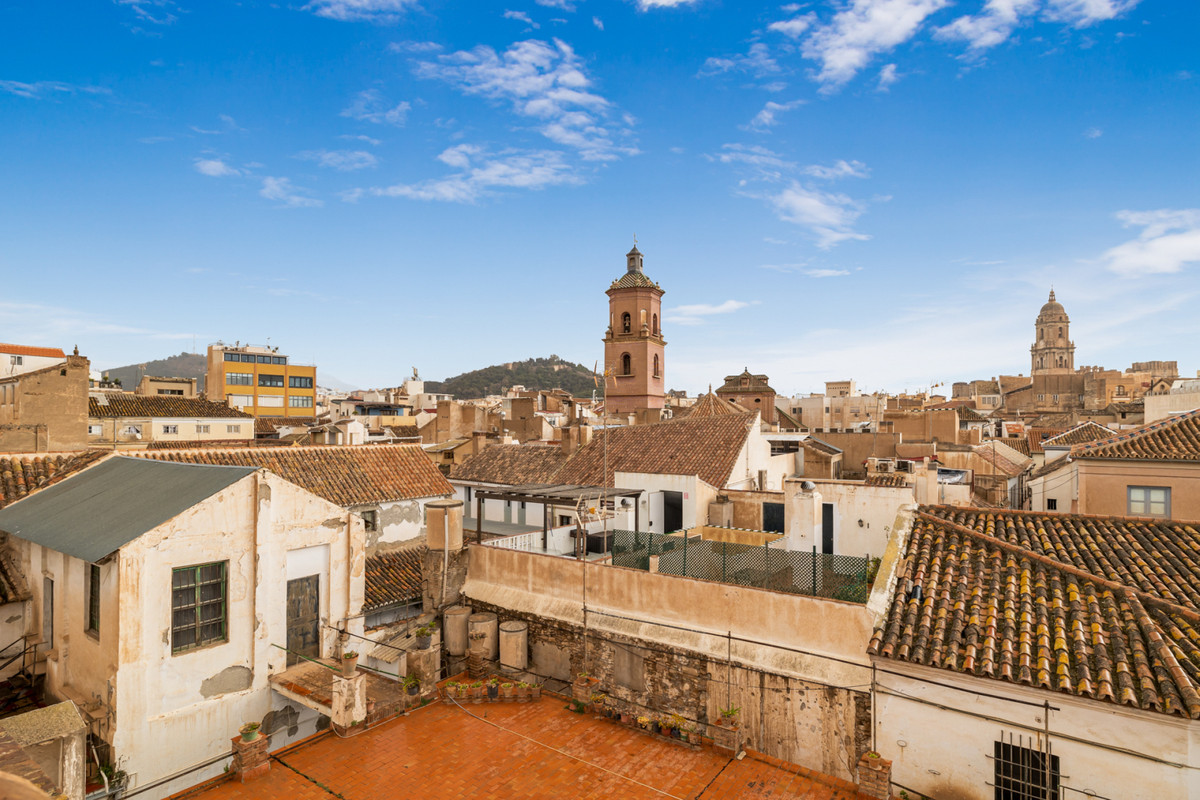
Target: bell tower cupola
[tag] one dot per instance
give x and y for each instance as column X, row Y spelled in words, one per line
column 1053, row 352
column 634, row 348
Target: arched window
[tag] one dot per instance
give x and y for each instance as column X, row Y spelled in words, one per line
column 626, row 363
column 656, row 366
column 625, row 322
column 655, row 322
column 1060, row 331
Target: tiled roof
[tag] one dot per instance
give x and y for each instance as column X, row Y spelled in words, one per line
column 23, row 350
column 709, row 405
column 1059, row 421
column 994, row 452
column 1128, row 407
column 1171, row 439
column 632, row 280
column 1082, row 433
column 968, row 414
column 707, row 447
column 263, row 427
column 1038, row 435
column 345, row 475
column 121, row 404
column 218, row 443
column 818, row 446
column 886, row 479
column 442, row 447
column 1018, row 443
column 392, row 578
column 787, row 421
column 1097, row 607
column 512, row 464
column 22, row 474
column 754, row 383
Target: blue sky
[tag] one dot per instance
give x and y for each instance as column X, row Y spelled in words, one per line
column 876, row 189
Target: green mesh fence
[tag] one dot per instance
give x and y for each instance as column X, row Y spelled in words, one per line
column 799, row 572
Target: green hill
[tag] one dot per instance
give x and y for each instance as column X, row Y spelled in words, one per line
column 184, row 365
column 534, row 373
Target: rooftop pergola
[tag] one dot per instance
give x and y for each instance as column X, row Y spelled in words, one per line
column 553, row 494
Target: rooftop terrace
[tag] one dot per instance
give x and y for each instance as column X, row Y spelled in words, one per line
column 528, row 751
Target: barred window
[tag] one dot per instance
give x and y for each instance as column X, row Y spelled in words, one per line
column 1024, row 773
column 198, row 608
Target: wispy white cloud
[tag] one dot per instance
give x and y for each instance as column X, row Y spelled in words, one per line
column 369, row 105
column 695, row 314
column 765, row 164
column 599, row 23
column 43, row 89
column 839, row 169
column 481, row 173
column 1169, row 241
column 826, row 273
column 766, row 118
column 757, row 62
column 343, row 160
column 156, row 12
column 1082, row 13
column 214, row 168
column 228, row 125
column 542, row 81
column 1093, row 133
column 378, row 11
column 829, row 216
column 521, row 16
column 646, row 5
column 281, row 191
column 990, row 28
column 361, row 138
column 860, row 31
column 564, row 5
column 887, row 76
column 414, row 47
column 792, row 28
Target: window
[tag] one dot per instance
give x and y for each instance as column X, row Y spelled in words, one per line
column 626, row 364
column 1021, row 772
column 625, row 323
column 278, row 359
column 1054, row 398
column 246, row 358
column 198, row 612
column 1041, row 397
column 170, row 429
column 1052, row 504
column 239, row 378
column 300, row 383
column 300, row 402
column 233, row 428
column 93, row 601
column 370, row 520
column 240, row 400
column 95, row 430
column 171, row 391
column 1149, row 501
column 656, row 366
column 231, row 356
column 203, row 428
column 270, row 401
column 19, row 360
column 270, row 380
column 654, row 317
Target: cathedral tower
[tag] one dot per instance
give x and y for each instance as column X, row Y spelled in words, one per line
column 633, row 344
column 1053, row 351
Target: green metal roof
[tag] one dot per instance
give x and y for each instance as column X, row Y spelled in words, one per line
column 97, row 511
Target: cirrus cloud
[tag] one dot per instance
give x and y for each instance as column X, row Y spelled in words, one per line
column 1170, row 240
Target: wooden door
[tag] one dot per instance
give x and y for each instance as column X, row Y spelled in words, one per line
column 303, row 618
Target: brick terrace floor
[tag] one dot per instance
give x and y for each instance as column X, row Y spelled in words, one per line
column 442, row 751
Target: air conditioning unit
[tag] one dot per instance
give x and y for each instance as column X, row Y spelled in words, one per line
column 885, row 465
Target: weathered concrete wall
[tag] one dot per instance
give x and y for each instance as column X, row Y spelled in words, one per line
column 858, row 447
column 863, row 515
column 664, row 643
column 939, row 729
column 54, row 397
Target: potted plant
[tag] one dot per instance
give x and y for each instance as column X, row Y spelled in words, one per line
column 643, row 722
column 349, row 663
column 425, row 636
column 626, row 717
column 597, row 703
column 449, row 690
column 522, row 692
column 493, row 689
column 506, row 691
column 412, row 685
column 677, row 725
column 249, row 731
column 535, row 691
column 477, row 692
column 729, row 717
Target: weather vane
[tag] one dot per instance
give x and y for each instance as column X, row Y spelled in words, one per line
column 635, row 240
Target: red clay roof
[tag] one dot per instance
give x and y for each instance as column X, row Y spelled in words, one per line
column 1171, row 439
column 23, row 350
column 22, row 474
column 706, row 446
column 393, row 578
column 345, row 475
column 121, row 404
column 1082, row 433
column 710, row 405
column 1098, row 607
column 511, row 464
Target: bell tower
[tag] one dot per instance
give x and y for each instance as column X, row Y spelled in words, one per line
column 1053, row 352
column 633, row 344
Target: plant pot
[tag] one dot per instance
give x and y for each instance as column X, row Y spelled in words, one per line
column 413, row 689
column 522, row 694
column 625, row 718
column 349, row 666
column 423, row 642
column 476, row 694
column 493, row 693
column 507, row 693
column 248, row 734
column 535, row 692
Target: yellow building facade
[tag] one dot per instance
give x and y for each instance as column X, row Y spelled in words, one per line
column 260, row 381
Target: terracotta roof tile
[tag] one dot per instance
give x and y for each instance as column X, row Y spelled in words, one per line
column 344, row 475
column 632, row 280
column 121, row 404
column 1082, row 433
column 707, row 447
column 264, row 427
column 1018, row 443
column 996, row 453
column 512, row 464
column 709, row 405
column 393, row 578
column 1097, row 607
column 1171, row 439
column 818, row 446
column 886, row 479
column 24, row 350
column 22, row 474
column 1038, row 435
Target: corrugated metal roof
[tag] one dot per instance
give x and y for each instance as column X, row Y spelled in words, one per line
column 96, row 511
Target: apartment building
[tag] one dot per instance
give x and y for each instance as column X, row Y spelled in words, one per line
column 258, row 380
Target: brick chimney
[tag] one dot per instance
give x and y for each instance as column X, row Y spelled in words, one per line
column 875, row 776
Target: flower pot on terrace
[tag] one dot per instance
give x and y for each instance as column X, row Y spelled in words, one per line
column 349, row 665
column 249, row 731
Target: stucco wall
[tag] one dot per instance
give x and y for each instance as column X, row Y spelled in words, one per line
column 940, row 734
column 46, row 410
column 1103, row 485
column 875, row 506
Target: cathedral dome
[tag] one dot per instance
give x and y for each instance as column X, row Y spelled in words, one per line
column 1052, row 308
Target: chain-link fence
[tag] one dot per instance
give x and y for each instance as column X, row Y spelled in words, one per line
column 799, row 572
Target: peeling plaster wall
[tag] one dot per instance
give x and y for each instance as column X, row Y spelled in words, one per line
column 663, row 642
column 174, row 711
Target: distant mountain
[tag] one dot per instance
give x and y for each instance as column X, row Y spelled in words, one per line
column 535, row 373
column 184, row 365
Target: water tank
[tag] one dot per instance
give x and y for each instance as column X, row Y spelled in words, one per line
column 443, row 525
column 514, row 645
column 487, row 623
column 454, row 629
